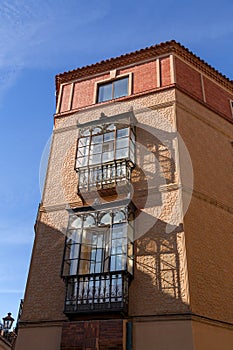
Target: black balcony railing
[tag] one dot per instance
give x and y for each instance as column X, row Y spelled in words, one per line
column 101, row 292
column 104, row 176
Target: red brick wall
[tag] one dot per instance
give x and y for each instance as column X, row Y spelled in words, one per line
column 93, row 335
column 165, row 71
column 188, row 78
column 217, row 97
column 144, row 79
column 65, row 98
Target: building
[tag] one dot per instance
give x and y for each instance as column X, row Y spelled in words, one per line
column 133, row 243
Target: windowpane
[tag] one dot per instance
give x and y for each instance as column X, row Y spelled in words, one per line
column 84, row 141
column 73, row 267
column 122, row 142
column 105, row 92
column 90, row 221
column 84, row 266
column 108, row 146
column 97, row 139
column 74, row 251
column 123, row 132
column 75, row 222
column 96, row 148
column 95, row 159
column 106, row 219
column 108, row 156
column 108, row 136
column 74, row 236
column 82, row 161
column 120, row 87
column 82, row 151
column 96, row 131
column 122, row 153
column 132, row 137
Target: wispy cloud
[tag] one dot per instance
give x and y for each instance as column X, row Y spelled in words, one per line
column 34, row 34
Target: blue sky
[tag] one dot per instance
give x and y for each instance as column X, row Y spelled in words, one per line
column 39, row 39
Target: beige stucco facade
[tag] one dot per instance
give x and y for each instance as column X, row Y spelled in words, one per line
column 180, row 296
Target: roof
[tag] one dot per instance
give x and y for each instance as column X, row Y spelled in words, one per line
column 140, row 55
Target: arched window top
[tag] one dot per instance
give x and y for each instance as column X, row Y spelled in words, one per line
column 105, row 219
column 97, row 130
column 89, row 221
column 75, row 222
column 119, row 216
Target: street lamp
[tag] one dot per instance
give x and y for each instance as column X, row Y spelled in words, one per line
column 7, row 322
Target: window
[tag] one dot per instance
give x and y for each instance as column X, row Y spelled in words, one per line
column 98, row 259
column 105, row 155
column 113, row 89
column 99, row 242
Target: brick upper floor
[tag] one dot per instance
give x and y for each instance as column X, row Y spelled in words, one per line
column 158, row 67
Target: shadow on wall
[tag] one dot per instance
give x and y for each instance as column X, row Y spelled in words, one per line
column 158, row 285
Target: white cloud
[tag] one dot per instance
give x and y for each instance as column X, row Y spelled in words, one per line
column 34, row 34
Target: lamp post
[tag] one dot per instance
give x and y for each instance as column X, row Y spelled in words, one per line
column 7, row 322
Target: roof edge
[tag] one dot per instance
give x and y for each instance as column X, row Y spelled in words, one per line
column 167, row 47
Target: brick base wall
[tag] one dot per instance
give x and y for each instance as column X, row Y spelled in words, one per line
column 93, row 335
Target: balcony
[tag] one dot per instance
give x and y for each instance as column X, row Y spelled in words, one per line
column 103, row 292
column 104, row 177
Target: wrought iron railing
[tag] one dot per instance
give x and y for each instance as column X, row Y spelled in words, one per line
column 104, row 176
column 97, row 292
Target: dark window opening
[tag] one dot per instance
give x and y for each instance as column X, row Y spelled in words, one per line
column 114, row 89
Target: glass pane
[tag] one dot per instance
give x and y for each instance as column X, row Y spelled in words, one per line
column 74, row 251
column 86, row 251
column 130, row 232
column 97, row 130
column 74, row 236
column 108, row 156
column 122, row 143
column 111, row 127
column 82, row 151
column 97, row 139
column 132, row 156
column 119, row 216
column 132, row 136
column 130, row 266
column 108, row 146
column 84, row 266
column 130, row 249
column 119, row 231
column 86, row 132
column 95, row 159
column 108, row 136
column 106, row 219
column 73, row 267
column 132, row 145
column 96, row 148
column 122, row 153
column 123, row 132
column 89, row 221
column 84, row 141
column 82, row 161
column 120, row 262
column 121, row 87
column 105, row 92
column 75, row 222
